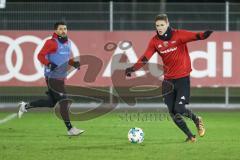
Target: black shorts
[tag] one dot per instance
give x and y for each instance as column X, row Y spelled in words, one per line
column 56, row 89
column 176, row 92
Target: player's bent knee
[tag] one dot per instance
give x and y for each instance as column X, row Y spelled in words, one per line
column 180, row 109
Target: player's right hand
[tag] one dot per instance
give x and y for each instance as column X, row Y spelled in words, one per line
column 128, row 71
column 52, row 66
column 76, row 64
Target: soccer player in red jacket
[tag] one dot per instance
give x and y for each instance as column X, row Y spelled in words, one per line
column 171, row 45
column 55, row 56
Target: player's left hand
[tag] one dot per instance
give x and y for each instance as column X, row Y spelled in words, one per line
column 76, row 64
column 206, row 34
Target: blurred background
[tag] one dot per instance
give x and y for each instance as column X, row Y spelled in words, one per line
column 114, row 16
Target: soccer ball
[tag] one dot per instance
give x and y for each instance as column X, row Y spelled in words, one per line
column 135, row 135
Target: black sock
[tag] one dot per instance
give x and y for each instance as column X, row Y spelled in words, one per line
column 68, row 124
column 191, row 115
column 179, row 121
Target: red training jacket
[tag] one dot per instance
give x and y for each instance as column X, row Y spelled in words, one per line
column 49, row 47
column 174, row 53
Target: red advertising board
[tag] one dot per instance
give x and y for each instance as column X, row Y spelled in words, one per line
column 215, row 61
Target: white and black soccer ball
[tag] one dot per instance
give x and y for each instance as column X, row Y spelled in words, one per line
column 135, row 135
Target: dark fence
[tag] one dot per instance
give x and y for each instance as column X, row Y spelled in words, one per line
column 119, row 16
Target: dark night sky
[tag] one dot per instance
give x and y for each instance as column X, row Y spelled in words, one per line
column 217, row 1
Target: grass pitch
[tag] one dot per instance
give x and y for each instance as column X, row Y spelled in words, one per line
column 42, row 136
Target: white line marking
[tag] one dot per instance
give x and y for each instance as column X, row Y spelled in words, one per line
column 8, row 118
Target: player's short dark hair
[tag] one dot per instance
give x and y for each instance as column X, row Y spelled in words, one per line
column 161, row 17
column 59, row 23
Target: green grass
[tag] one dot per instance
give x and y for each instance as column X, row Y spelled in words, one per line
column 43, row 136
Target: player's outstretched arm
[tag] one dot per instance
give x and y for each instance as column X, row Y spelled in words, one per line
column 187, row 36
column 140, row 63
column 206, row 34
column 143, row 60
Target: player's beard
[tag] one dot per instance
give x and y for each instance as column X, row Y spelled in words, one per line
column 62, row 38
column 167, row 35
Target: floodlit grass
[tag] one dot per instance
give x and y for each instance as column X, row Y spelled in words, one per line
column 42, row 136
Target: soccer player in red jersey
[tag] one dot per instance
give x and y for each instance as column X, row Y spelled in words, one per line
column 55, row 56
column 171, row 45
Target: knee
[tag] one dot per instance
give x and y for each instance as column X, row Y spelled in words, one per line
column 52, row 103
column 171, row 109
column 180, row 109
column 176, row 117
column 170, row 106
column 60, row 96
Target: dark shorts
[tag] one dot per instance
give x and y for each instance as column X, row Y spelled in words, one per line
column 176, row 93
column 55, row 93
column 56, row 89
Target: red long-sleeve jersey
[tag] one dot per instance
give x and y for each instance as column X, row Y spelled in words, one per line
column 174, row 53
column 49, row 47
